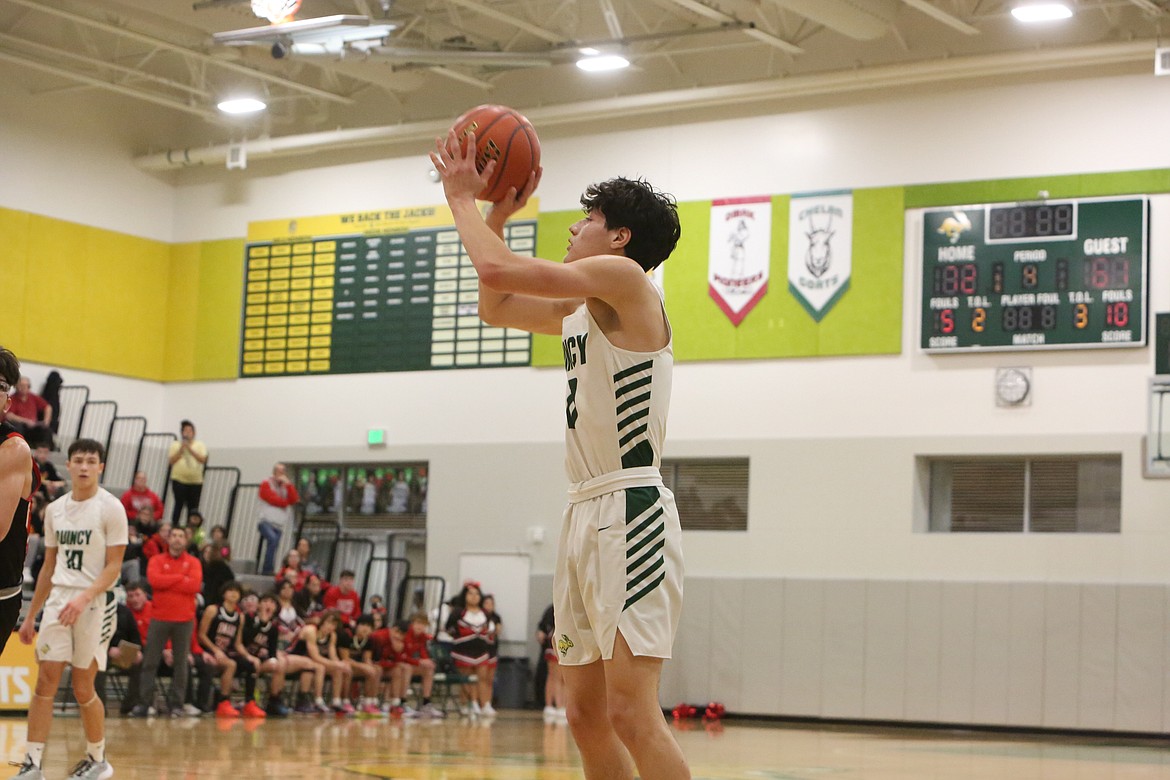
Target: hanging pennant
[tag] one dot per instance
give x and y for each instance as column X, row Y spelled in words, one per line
column 820, row 248
column 739, row 255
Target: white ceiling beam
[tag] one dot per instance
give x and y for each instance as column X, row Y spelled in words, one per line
column 702, row 9
column 515, row 21
column 1149, row 6
column 937, row 13
column 106, row 85
column 190, row 53
column 463, row 77
column 132, row 72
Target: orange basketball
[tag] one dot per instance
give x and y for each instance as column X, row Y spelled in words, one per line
column 506, row 136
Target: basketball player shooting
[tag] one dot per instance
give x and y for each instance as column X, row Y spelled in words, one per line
column 618, row 580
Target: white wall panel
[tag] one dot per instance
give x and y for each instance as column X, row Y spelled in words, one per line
column 802, row 644
column 992, row 655
column 1025, row 676
column 1098, row 656
column 923, row 648
column 843, row 670
column 956, row 679
column 761, row 643
column 1141, row 626
column 1062, row 655
column 886, row 620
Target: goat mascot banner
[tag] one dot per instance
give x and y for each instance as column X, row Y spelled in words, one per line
column 820, row 247
column 740, row 254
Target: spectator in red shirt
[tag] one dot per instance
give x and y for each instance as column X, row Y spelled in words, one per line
column 293, row 571
column 278, row 495
column 417, row 662
column 159, row 542
column 140, row 609
column 139, row 496
column 344, row 598
column 176, row 577
column 30, row 414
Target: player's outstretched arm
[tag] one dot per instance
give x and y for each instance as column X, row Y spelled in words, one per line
column 15, row 474
column 543, row 292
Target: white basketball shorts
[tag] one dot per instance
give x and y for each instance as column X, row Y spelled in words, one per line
column 619, row 568
column 85, row 641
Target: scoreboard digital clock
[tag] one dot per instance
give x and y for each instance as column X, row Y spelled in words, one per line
column 1045, row 275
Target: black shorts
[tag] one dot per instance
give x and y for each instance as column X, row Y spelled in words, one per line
column 9, row 615
column 243, row 665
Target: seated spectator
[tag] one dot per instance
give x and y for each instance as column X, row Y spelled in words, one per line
column 158, row 542
column 288, row 617
column 304, row 550
column 344, row 599
column 357, row 653
column 133, row 619
column 147, row 523
column 30, row 414
column 219, row 539
column 309, row 600
column 319, row 644
column 416, row 661
column 196, row 532
column 51, row 481
column 292, row 570
column 261, row 643
column 377, row 608
column 140, row 496
column 388, row 655
column 216, row 573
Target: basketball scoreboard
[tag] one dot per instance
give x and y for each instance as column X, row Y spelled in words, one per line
column 1038, row 275
column 388, row 290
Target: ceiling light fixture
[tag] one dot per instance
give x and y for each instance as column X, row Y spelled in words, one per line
column 243, row 105
column 599, row 63
column 1041, row 12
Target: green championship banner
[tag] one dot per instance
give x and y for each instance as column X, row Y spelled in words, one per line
column 379, row 290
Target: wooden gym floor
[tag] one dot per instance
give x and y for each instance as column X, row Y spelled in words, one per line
column 519, row 746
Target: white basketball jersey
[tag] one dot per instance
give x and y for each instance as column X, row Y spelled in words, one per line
column 615, row 412
column 81, row 531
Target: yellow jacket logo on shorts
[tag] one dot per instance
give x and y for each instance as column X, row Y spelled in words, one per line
column 563, row 644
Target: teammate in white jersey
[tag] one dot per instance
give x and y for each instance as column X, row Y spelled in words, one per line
column 85, row 537
column 618, row 583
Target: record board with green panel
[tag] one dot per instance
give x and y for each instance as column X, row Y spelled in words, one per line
column 382, row 290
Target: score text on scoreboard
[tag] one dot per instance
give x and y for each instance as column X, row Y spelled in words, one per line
column 1045, row 275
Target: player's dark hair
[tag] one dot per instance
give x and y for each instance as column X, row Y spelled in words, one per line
column 186, row 423
column 271, row 596
column 87, row 446
column 650, row 215
column 136, row 585
column 348, row 573
column 232, row 585
column 365, row 620
column 9, row 367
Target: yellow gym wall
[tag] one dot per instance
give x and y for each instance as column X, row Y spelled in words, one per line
column 97, row 300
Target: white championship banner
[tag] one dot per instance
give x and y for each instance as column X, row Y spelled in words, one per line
column 820, row 249
column 740, row 254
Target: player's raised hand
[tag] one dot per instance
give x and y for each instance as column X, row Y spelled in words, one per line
column 455, row 163
column 513, row 201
